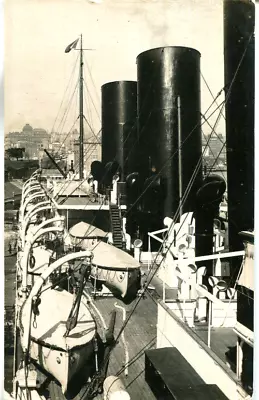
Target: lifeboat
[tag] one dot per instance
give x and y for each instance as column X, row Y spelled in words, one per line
column 60, row 355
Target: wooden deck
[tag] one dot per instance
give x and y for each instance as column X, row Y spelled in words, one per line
column 222, row 340
column 140, row 335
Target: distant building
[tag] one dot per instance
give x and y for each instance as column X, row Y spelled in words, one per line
column 214, row 150
column 63, row 141
column 217, row 147
column 33, row 140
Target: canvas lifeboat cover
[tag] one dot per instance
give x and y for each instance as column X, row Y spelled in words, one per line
column 83, row 230
column 50, row 325
column 110, row 257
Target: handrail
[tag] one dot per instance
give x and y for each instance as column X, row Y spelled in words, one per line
column 151, row 234
column 30, row 181
column 27, row 201
column 32, row 185
column 42, row 225
column 216, row 256
column 244, row 333
column 30, row 215
column 40, row 205
column 30, row 189
column 29, row 184
column 59, row 218
column 27, row 249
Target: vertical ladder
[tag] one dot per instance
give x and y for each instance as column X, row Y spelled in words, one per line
column 115, row 218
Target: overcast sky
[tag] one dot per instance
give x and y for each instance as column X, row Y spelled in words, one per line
column 37, row 70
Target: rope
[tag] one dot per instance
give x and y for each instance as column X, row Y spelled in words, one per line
column 70, row 80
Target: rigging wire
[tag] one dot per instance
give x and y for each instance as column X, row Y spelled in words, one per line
column 92, row 130
column 66, row 112
column 68, row 108
column 218, row 136
column 150, row 183
column 134, row 126
column 76, row 166
column 64, row 118
column 146, row 97
column 207, row 85
column 87, row 232
column 69, row 132
column 76, row 105
column 91, row 98
column 69, row 104
column 158, row 266
column 216, row 160
column 92, row 80
column 66, row 184
column 144, row 103
column 70, row 80
column 87, row 91
column 187, row 191
column 152, row 275
column 140, row 134
column 87, row 106
column 62, row 123
column 170, row 245
column 222, row 102
column 215, row 157
column 165, row 164
column 137, row 356
column 132, row 312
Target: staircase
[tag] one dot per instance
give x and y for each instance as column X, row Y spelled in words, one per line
column 115, row 219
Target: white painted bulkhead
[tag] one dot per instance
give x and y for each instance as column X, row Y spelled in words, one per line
column 172, row 332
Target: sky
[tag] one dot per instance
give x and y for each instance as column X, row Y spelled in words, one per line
column 37, row 70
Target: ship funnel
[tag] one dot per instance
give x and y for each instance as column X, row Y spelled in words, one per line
column 239, row 65
column 169, row 123
column 119, row 128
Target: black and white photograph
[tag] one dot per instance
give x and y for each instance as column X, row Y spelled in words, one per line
column 129, row 211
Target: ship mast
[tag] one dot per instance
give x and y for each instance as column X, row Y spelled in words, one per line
column 81, row 113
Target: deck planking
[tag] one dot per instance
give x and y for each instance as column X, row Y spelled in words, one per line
column 222, row 339
column 140, row 334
